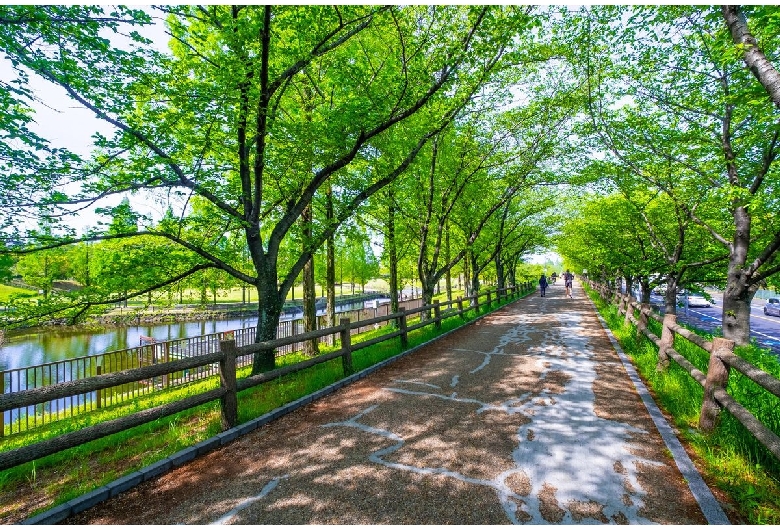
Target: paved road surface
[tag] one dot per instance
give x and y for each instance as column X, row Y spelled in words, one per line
column 527, row 416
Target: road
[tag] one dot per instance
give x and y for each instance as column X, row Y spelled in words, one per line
column 764, row 329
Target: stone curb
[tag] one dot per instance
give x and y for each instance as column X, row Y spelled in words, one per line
column 88, row 500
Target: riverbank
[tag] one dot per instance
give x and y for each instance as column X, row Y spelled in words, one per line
column 131, row 317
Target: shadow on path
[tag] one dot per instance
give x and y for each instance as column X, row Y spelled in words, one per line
column 526, row 416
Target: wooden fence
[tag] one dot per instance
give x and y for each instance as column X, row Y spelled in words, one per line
column 227, row 359
column 721, row 360
column 150, row 351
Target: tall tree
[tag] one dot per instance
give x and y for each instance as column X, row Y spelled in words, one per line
column 220, row 118
column 697, row 108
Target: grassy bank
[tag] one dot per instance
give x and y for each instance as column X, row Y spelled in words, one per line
column 7, row 292
column 34, row 487
column 730, row 458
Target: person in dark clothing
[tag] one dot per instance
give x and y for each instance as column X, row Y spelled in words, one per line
column 543, row 284
column 568, row 278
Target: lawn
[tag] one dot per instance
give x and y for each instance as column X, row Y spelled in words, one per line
column 7, row 292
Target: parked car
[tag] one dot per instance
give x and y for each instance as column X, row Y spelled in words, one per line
column 772, row 307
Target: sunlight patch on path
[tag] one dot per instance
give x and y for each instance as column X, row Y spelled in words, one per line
column 579, row 465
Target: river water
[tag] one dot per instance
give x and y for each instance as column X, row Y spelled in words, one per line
column 55, row 344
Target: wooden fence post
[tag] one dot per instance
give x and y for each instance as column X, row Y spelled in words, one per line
column 717, row 377
column 227, row 377
column 346, row 346
column 644, row 311
column 498, row 296
column 402, row 328
column 488, row 300
column 667, row 340
column 629, row 309
column 460, row 306
column 476, row 302
column 437, row 316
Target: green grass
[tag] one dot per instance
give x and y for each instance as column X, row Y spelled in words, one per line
column 7, row 292
column 71, row 473
column 730, row 457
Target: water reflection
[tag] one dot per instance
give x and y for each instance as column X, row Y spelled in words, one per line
column 53, row 344
column 57, row 344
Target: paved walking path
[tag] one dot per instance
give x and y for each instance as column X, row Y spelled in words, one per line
column 526, row 416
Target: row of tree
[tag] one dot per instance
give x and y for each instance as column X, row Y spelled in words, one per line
column 120, row 267
column 267, row 132
column 683, row 111
column 454, row 133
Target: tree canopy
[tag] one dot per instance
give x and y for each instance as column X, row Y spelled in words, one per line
column 638, row 140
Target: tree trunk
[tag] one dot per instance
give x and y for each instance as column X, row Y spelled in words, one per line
column 310, row 347
column 644, row 281
column 474, row 275
column 269, row 310
column 670, row 298
column 330, row 264
column 427, row 295
column 754, row 57
column 511, row 275
column 467, row 274
column 737, row 295
column 392, row 251
column 448, row 277
column 629, row 285
column 500, row 278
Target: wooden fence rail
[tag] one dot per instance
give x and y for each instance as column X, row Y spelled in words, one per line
column 151, row 351
column 226, row 358
column 715, row 381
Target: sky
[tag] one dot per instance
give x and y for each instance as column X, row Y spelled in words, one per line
column 65, row 123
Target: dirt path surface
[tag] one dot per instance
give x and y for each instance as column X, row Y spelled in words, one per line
column 526, row 416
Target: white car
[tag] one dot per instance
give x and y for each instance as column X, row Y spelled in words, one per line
column 694, row 300
column 772, row 307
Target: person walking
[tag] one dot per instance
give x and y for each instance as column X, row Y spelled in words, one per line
column 568, row 278
column 543, row 283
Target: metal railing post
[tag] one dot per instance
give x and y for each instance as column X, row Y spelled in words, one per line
column 99, row 393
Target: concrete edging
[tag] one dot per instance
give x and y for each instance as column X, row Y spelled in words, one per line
column 122, row 484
